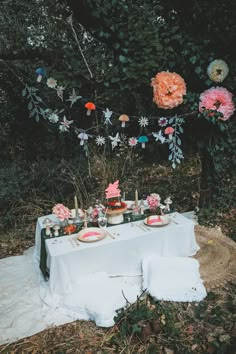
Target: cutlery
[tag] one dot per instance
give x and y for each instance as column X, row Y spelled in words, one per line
column 141, row 227
column 107, row 233
column 146, row 227
column 76, row 242
column 72, row 243
column 175, row 222
column 110, row 235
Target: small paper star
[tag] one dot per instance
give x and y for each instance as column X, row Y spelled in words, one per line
column 114, row 140
column 65, row 125
column 107, row 115
column 143, row 121
column 159, row 136
column 73, row 98
column 100, row 140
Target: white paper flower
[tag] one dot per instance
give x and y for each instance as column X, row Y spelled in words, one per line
column 159, row 136
column 107, row 115
column 65, row 125
column 100, row 140
column 143, row 121
column 52, row 83
column 53, row 118
column 114, row 140
column 217, row 70
column 133, row 142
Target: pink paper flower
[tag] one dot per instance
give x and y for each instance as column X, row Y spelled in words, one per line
column 133, row 142
column 61, row 212
column 153, row 201
column 218, row 99
column 52, row 83
column 169, row 130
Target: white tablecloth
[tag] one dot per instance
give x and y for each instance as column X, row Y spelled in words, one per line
column 120, row 256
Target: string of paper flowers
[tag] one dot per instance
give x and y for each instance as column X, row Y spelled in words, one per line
column 168, row 92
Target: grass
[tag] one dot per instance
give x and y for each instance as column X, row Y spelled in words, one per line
column 146, row 326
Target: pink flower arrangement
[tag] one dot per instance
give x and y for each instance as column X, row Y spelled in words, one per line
column 168, row 89
column 61, row 212
column 218, row 99
column 153, row 201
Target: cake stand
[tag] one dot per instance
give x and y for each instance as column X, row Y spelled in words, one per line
column 115, row 216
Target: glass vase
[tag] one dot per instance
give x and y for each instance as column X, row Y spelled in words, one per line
column 64, row 223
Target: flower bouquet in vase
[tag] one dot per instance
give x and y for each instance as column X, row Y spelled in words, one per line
column 62, row 213
column 114, row 207
column 157, row 216
column 153, row 201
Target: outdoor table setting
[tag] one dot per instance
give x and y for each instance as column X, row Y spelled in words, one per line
column 121, row 248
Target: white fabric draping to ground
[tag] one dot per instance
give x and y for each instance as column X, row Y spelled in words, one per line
column 24, row 313
column 27, row 306
column 173, row 279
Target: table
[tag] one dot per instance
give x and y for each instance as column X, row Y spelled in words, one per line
column 120, row 256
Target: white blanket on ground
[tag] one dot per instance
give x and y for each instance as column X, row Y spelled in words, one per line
column 27, row 306
column 173, row 279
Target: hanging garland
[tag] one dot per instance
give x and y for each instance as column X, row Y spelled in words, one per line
column 168, row 91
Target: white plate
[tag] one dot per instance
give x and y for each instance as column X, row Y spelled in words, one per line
column 156, row 220
column 91, row 234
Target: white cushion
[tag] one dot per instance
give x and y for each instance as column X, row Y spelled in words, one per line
column 173, row 279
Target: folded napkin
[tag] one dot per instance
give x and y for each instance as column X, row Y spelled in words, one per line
column 173, row 279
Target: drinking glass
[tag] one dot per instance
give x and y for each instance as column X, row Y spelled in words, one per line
column 102, row 222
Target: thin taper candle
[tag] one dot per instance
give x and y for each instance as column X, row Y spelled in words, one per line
column 76, row 206
column 136, row 198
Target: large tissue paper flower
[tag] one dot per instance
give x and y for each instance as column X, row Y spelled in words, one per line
column 217, row 70
column 153, row 200
column 218, row 99
column 61, row 211
column 168, row 89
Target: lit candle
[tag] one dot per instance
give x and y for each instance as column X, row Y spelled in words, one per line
column 76, row 206
column 136, row 198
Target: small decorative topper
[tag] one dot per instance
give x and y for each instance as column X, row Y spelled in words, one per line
column 143, row 140
column 65, row 125
column 114, row 140
column 90, row 107
column 159, row 136
column 113, row 190
column 143, row 121
column 169, row 130
column 73, row 98
column 107, row 115
column 83, row 137
column 40, row 73
column 123, row 118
